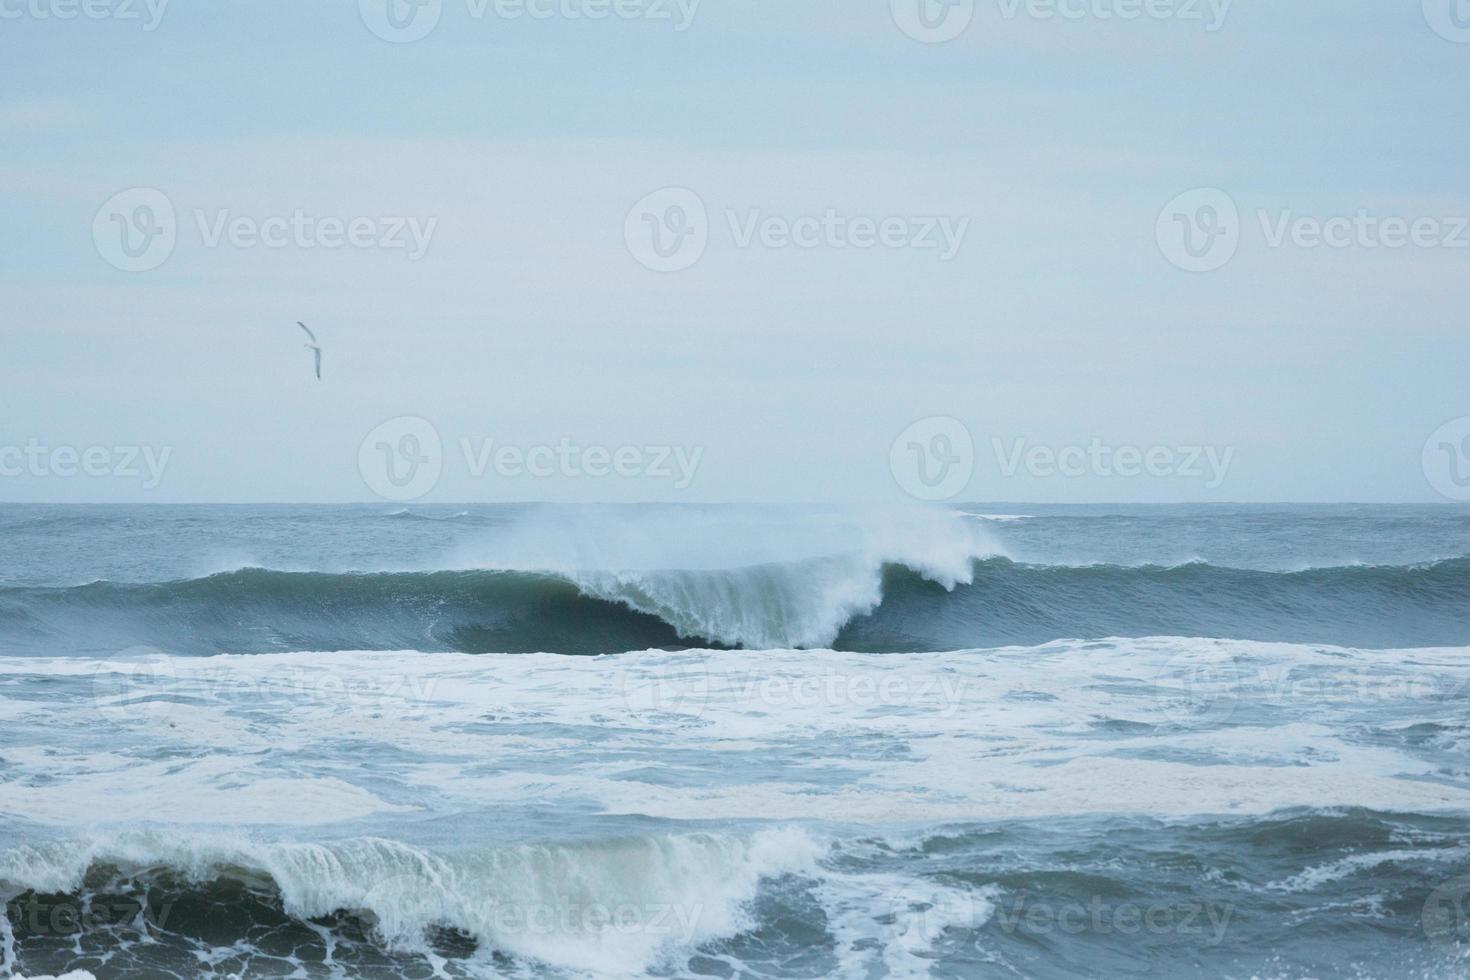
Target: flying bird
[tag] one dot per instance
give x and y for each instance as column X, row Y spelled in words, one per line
column 313, row 347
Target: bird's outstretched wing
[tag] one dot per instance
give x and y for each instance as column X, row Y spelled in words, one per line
column 308, row 330
column 318, row 352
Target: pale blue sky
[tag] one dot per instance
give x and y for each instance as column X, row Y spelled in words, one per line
column 528, row 320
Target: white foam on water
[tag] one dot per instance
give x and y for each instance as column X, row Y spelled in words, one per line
column 1156, row 726
column 608, row 907
column 1315, row 877
column 275, row 745
column 895, row 926
column 756, row 577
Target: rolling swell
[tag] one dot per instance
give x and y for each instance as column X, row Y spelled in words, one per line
column 257, row 610
column 1014, row 604
column 835, row 602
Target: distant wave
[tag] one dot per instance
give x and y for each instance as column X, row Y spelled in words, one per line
column 853, row 602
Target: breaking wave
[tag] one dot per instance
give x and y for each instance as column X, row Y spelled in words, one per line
column 845, row 602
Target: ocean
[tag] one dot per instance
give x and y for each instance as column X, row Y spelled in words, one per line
column 730, row 741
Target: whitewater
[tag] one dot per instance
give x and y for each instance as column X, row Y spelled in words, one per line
column 766, row 742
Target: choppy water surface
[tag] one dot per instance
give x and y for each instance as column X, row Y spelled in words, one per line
column 520, row 741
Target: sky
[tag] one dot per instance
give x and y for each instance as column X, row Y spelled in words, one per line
column 621, row 250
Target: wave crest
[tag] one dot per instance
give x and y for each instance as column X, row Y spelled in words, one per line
column 615, row 906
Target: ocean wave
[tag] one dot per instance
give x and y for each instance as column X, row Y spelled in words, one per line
column 614, row 907
column 860, row 602
column 962, row 900
column 404, row 514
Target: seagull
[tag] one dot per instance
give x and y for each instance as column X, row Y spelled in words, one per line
column 317, row 351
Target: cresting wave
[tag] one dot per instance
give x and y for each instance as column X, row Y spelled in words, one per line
column 899, row 903
column 847, row 602
column 612, row 907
